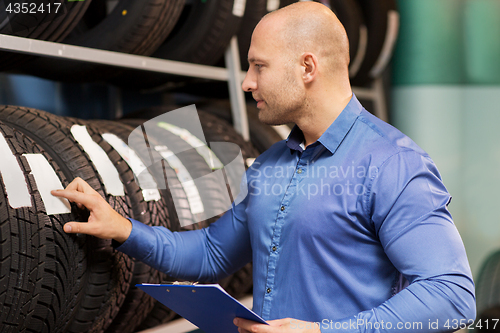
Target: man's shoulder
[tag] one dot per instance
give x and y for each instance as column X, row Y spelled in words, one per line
column 383, row 137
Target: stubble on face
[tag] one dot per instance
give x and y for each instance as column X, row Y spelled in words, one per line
column 285, row 100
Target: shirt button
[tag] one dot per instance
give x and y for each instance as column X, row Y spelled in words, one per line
column 299, row 171
column 282, row 208
column 274, row 248
column 268, row 290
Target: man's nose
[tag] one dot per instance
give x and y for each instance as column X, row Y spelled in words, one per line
column 249, row 84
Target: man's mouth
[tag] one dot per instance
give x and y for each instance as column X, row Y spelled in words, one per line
column 260, row 103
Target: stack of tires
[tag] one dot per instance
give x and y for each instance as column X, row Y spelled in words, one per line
column 51, row 281
column 195, row 31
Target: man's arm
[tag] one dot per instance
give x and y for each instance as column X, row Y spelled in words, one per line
column 204, row 255
column 207, row 254
column 408, row 208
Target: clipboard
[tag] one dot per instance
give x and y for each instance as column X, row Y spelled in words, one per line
column 207, row 306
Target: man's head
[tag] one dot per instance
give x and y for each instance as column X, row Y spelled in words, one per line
column 297, row 54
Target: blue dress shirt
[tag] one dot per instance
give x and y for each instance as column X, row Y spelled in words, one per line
column 332, row 230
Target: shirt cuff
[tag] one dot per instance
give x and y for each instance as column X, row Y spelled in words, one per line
column 139, row 243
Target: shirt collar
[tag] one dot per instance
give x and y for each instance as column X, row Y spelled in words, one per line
column 295, row 138
column 335, row 133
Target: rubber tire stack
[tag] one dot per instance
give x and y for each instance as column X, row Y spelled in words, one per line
column 371, row 25
column 197, row 32
column 38, row 26
column 51, row 281
column 135, row 27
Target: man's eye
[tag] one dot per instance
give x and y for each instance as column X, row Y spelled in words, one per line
column 258, row 66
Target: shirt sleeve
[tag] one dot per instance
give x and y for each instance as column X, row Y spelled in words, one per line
column 407, row 204
column 206, row 255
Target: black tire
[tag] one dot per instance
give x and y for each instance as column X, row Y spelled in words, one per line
column 215, row 130
column 18, row 237
column 137, row 304
column 284, row 3
column 488, row 287
column 43, row 25
column 42, row 268
column 39, row 26
column 158, row 316
column 218, row 130
column 141, row 30
column 382, row 27
column 214, row 124
column 120, row 278
column 108, row 272
column 157, row 213
column 209, row 191
column 161, row 314
column 17, row 304
column 181, row 215
column 203, row 32
column 201, row 36
column 254, row 11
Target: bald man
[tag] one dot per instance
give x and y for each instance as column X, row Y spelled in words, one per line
column 346, row 221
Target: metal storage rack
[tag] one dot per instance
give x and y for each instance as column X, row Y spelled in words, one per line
column 232, row 73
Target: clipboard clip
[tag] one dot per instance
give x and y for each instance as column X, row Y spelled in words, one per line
column 187, row 283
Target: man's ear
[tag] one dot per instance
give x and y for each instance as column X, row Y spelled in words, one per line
column 309, row 63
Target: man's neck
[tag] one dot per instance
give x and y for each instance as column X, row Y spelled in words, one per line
column 320, row 118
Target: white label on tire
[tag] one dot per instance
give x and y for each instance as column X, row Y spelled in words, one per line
column 47, row 180
column 272, row 5
column 208, row 155
column 239, row 8
column 100, row 159
column 13, row 177
column 391, row 35
column 146, row 182
column 187, row 182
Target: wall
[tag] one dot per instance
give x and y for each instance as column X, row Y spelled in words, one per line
column 446, row 96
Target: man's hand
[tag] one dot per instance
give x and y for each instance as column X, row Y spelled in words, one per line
column 276, row 326
column 104, row 222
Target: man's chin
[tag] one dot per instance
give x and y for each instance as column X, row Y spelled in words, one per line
column 272, row 121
